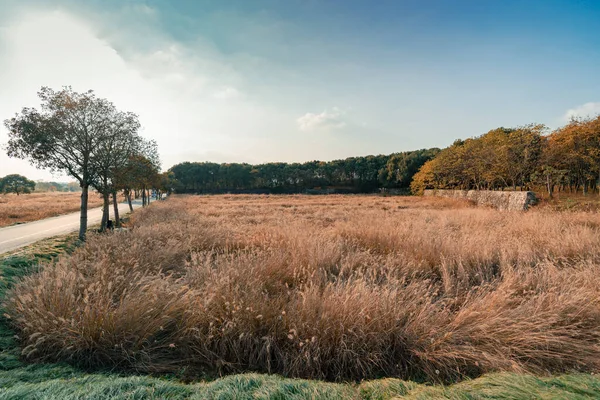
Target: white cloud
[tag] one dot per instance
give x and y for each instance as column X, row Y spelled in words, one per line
column 197, row 102
column 227, row 92
column 326, row 120
column 585, row 110
column 171, row 87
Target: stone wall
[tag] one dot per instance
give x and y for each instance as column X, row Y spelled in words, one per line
column 511, row 201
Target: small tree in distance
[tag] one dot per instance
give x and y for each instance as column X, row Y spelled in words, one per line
column 16, row 183
column 138, row 173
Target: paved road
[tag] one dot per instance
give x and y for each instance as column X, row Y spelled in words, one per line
column 13, row 237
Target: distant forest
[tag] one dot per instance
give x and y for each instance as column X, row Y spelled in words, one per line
column 522, row 158
column 352, row 175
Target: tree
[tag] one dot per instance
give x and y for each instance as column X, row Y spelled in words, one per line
column 120, row 142
column 424, row 179
column 401, row 167
column 522, row 153
column 571, row 155
column 166, row 183
column 141, row 174
column 16, row 184
column 63, row 136
column 495, row 160
column 356, row 174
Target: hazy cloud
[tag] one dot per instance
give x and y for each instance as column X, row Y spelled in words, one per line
column 585, row 110
column 326, row 120
column 172, row 87
column 227, row 92
column 145, row 9
column 232, row 82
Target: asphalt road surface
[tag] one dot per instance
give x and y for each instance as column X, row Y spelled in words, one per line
column 15, row 236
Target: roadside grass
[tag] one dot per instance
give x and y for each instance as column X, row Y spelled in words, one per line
column 13, row 266
column 20, row 380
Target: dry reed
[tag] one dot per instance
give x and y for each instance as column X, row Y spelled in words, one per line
column 336, row 288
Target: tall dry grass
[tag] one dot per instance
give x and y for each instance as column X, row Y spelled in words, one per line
column 337, row 287
column 35, row 206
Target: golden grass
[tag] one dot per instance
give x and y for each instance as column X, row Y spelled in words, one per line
column 35, row 206
column 336, row 287
column 564, row 201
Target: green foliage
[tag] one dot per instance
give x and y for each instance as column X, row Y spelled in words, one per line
column 401, row 167
column 60, row 382
column 514, row 386
column 16, row 183
column 355, row 174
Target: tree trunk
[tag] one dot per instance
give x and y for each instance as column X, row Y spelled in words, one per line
column 83, row 213
column 128, row 195
column 148, row 196
column 143, row 197
column 105, row 211
column 116, row 209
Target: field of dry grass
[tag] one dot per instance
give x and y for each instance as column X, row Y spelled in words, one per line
column 570, row 202
column 35, row 206
column 331, row 287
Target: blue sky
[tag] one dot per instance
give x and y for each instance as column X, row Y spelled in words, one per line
column 291, row 80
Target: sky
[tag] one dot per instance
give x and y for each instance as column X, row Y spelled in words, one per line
column 300, row 80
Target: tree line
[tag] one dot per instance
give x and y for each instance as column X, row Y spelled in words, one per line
column 566, row 159
column 351, row 175
column 90, row 140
